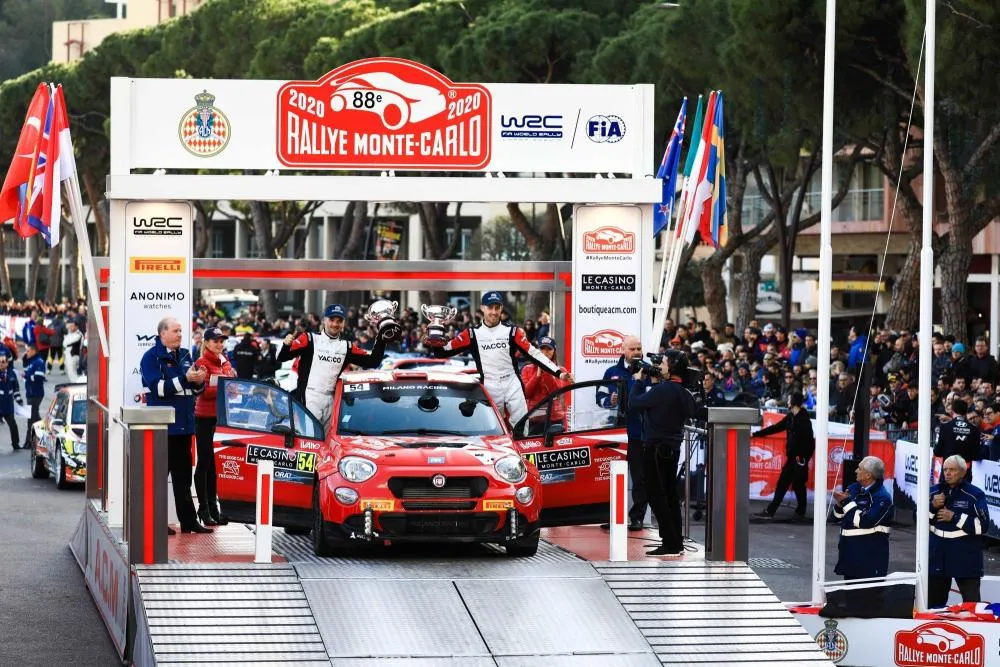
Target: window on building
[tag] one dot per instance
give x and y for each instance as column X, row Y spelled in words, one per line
column 253, row 252
column 463, row 249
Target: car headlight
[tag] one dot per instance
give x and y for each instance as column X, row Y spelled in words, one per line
column 525, row 495
column 356, row 469
column 511, row 469
column 345, row 495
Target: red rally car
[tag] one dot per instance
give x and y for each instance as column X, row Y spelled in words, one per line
column 419, row 455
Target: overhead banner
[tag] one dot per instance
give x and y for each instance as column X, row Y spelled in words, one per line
column 607, row 285
column 158, row 245
column 389, row 113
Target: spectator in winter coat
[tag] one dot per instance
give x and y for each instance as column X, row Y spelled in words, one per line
column 267, row 366
column 34, row 384
column 982, row 364
column 213, row 361
column 72, row 350
column 245, row 356
column 10, row 393
column 856, row 355
column 959, row 519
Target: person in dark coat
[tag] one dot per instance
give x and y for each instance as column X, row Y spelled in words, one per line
column 245, row 356
column 34, row 385
column 799, row 447
column 865, row 511
column 10, row 393
column 960, row 518
column 172, row 381
column 267, row 366
column 958, row 436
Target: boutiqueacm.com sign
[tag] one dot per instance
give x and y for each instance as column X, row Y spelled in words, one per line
column 607, row 285
column 158, row 244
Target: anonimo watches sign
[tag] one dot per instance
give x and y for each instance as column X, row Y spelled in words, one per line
column 385, row 113
column 158, row 281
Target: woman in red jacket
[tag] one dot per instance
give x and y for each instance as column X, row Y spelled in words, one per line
column 215, row 365
column 538, row 384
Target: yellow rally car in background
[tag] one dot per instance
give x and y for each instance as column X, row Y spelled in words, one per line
column 59, row 438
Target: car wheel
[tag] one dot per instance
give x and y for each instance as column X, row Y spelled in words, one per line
column 38, row 469
column 61, row 482
column 297, row 530
column 526, row 546
column 321, row 544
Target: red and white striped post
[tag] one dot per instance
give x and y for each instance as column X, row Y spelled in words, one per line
column 265, row 511
column 618, row 533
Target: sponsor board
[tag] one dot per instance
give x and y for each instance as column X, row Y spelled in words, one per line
column 287, row 459
column 107, row 574
column 387, row 113
column 938, row 643
column 158, row 245
column 607, row 286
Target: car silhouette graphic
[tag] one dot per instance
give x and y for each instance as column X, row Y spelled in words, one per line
column 760, row 454
column 610, row 236
column 397, row 102
column 940, row 639
column 609, row 339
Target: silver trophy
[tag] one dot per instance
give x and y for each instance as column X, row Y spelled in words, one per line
column 438, row 318
column 382, row 316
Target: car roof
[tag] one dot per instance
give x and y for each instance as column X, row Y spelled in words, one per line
column 427, row 374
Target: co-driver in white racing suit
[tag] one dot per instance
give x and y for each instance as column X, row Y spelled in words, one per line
column 493, row 346
column 322, row 358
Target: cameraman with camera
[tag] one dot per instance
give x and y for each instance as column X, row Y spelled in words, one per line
column 664, row 409
column 626, row 367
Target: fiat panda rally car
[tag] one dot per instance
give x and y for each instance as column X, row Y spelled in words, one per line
column 418, row 455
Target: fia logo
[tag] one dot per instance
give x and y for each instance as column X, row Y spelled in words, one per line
column 605, row 129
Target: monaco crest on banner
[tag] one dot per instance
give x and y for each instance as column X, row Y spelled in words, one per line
column 384, row 113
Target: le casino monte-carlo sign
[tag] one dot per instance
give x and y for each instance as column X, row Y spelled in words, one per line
column 386, row 113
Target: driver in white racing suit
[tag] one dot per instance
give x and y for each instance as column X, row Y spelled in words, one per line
column 493, row 346
column 323, row 357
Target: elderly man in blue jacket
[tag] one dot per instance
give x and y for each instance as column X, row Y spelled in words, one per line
column 609, row 398
column 34, row 385
column 172, row 381
column 959, row 519
column 865, row 511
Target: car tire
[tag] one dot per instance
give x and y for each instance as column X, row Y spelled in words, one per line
column 297, row 530
column 61, row 482
column 38, row 469
column 323, row 544
column 526, row 546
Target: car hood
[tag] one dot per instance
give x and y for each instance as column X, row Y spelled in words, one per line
column 429, row 449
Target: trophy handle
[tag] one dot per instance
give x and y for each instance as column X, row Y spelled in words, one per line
column 423, row 310
column 452, row 311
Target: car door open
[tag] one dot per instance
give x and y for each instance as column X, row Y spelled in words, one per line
column 571, row 437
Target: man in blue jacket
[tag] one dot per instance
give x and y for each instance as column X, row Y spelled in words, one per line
column 865, row 511
column 608, row 398
column 172, row 381
column 959, row 519
column 34, row 385
column 10, row 393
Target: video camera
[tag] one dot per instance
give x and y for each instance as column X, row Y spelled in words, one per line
column 651, row 368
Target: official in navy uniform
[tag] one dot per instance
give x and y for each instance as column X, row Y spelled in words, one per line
column 10, row 393
column 959, row 519
column 865, row 511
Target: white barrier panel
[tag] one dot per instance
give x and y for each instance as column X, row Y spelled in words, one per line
column 618, row 533
column 986, row 475
column 265, row 511
column 107, row 574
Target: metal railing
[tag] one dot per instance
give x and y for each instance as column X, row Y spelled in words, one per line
column 695, row 442
column 863, row 204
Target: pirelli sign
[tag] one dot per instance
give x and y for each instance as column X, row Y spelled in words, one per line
column 157, row 265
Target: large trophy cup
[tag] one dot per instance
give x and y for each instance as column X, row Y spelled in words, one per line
column 382, row 316
column 438, row 319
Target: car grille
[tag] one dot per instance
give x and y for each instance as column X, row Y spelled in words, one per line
column 421, row 488
column 454, row 524
column 451, row 505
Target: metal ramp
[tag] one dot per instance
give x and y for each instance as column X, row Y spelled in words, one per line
column 224, row 613
column 696, row 612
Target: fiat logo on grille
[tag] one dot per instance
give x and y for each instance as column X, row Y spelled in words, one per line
column 438, row 481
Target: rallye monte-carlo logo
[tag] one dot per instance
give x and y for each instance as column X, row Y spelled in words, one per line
column 604, row 343
column 384, row 113
column 939, row 643
column 609, row 240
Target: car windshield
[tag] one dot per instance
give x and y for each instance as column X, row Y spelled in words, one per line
column 399, row 408
column 79, row 415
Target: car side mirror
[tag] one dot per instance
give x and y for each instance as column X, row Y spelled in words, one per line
column 551, row 432
column 285, row 430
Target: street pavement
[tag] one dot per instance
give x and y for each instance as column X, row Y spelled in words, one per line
column 47, row 615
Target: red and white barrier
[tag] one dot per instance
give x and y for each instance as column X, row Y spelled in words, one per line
column 265, row 511
column 618, row 533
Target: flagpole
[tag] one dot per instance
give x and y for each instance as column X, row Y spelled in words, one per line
column 83, row 244
column 825, row 311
